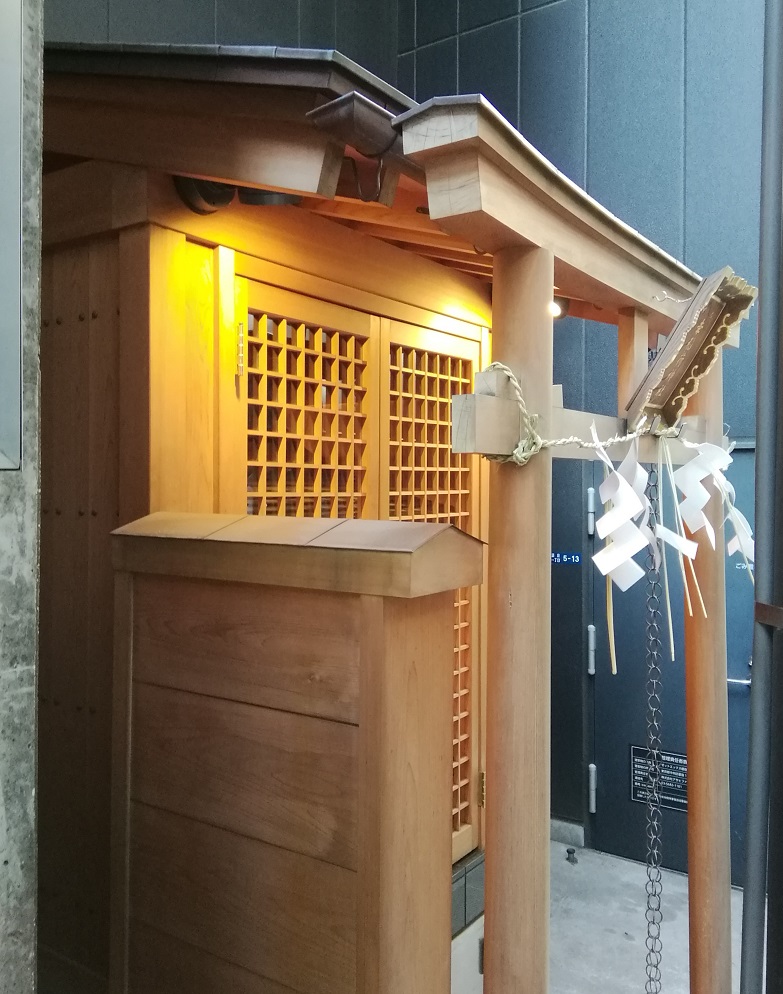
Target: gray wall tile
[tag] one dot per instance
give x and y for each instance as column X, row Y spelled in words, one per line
column 635, row 115
column 317, row 27
column 87, row 20
column 406, row 74
column 553, row 84
column 367, row 33
column 600, row 369
column 435, row 19
column 436, row 69
column 458, row 905
column 474, row 893
column 475, row 13
column 174, row 22
column 489, row 64
column 248, row 22
column 406, row 25
column 722, row 167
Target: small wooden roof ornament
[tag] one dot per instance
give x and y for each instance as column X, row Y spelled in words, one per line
column 691, row 349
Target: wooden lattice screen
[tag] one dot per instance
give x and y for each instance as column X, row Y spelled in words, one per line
column 306, row 434
column 428, row 483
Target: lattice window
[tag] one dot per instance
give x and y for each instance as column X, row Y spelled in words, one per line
column 307, row 417
column 428, row 483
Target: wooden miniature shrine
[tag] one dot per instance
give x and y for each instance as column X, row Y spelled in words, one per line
column 298, row 359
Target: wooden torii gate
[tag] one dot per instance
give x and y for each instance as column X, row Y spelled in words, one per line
column 488, row 185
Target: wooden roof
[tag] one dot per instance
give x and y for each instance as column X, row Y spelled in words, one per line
column 458, row 182
column 383, row 558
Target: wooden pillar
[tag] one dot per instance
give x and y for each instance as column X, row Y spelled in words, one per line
column 709, row 856
column 631, row 355
column 516, row 954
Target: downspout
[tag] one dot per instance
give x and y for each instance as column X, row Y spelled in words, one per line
column 767, row 456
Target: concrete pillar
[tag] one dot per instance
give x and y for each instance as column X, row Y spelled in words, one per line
column 19, row 546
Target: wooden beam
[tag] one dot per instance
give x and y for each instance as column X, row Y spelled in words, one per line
column 632, row 331
column 424, row 238
column 487, row 423
column 277, row 155
column 297, row 239
column 403, row 215
column 302, row 251
column 490, row 186
column 477, row 200
column 709, row 847
column 518, row 675
column 91, row 198
column 187, row 97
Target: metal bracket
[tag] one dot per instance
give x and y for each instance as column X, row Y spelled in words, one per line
column 591, row 511
column 592, row 788
column 591, row 650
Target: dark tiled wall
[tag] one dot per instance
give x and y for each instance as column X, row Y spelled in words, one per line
column 654, row 108
column 364, row 30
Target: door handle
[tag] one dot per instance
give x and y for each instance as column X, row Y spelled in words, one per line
column 738, row 683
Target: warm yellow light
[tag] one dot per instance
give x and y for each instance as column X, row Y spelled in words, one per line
column 555, row 309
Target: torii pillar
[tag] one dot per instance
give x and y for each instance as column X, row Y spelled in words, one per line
column 516, row 923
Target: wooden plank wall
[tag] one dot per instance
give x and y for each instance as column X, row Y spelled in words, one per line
column 79, row 504
column 243, row 837
column 91, row 354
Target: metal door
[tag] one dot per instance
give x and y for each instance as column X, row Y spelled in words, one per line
column 618, row 825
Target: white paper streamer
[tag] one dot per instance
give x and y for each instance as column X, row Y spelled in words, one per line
column 626, row 524
column 710, row 463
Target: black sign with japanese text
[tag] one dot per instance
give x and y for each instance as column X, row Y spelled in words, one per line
column 674, row 778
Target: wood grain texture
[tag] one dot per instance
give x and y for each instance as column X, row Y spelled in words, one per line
column 283, row 778
column 479, row 167
column 134, row 391
column 271, row 154
column 80, row 427
column 632, row 336
column 280, row 914
column 299, row 655
column 103, row 511
column 161, row 964
column 519, row 637
column 231, row 387
column 66, row 668
column 404, row 913
column 707, row 736
column 476, row 198
column 181, row 374
column 357, row 567
column 121, row 754
column 303, row 242
column 92, row 198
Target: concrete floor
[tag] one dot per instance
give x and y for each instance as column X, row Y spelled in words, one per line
column 598, row 930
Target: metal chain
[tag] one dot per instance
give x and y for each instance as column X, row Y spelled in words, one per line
column 654, row 887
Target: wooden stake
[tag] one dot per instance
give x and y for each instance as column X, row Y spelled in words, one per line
column 709, row 854
column 518, row 672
